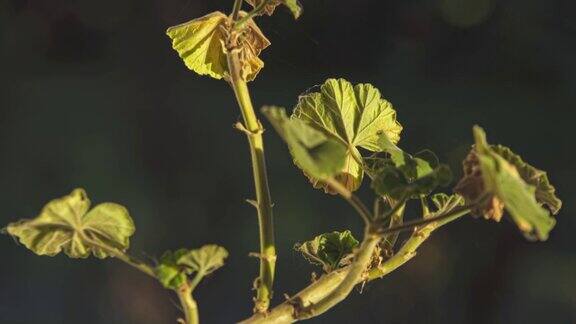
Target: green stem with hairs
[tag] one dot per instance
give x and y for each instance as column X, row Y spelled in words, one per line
column 253, row 130
column 330, row 289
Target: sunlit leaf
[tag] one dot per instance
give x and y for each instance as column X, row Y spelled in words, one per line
column 352, row 115
column 201, row 44
column 490, row 175
column 545, row 192
column 318, row 155
column 174, row 267
column 330, row 250
column 204, row 260
column 66, row 224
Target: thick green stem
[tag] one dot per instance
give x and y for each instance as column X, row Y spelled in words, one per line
column 327, row 291
column 355, row 274
column 188, row 303
column 253, row 129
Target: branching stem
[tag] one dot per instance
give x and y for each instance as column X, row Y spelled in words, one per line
column 333, row 287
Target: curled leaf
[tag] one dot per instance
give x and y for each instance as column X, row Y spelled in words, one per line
column 202, row 44
column 355, row 116
column 293, row 5
column 318, row 155
column 330, row 250
column 488, row 174
column 545, row 192
column 66, row 224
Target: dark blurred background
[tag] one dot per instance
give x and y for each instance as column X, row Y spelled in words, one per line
column 92, row 95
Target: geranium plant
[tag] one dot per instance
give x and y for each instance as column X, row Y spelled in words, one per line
column 341, row 136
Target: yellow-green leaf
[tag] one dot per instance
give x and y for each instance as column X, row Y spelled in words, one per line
column 200, row 43
column 318, row 155
column 66, row 224
column 501, row 178
column 204, row 260
column 352, row 115
column 545, row 191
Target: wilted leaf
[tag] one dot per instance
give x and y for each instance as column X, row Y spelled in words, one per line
column 65, row 224
column 329, row 250
column 317, row 154
column 545, row 192
column 269, row 7
column 352, row 115
column 201, row 44
column 488, row 174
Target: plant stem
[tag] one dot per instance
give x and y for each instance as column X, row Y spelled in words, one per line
column 408, row 250
column 189, row 306
column 355, row 274
column 288, row 311
column 239, row 23
column 253, row 130
column 122, row 256
column 421, row 222
column 352, row 199
column 236, row 9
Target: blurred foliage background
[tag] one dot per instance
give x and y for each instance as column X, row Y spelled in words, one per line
column 92, row 95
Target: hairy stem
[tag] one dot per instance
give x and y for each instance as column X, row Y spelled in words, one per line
column 253, row 130
column 355, row 274
column 189, row 306
column 316, row 293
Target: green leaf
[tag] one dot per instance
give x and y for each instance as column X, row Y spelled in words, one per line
column 317, row 154
column 205, row 260
column 269, row 7
column 65, row 224
column 330, row 250
column 392, row 181
column 174, row 267
column 201, row 44
column 502, row 179
column 545, row 192
column 352, row 115
column 168, row 272
column 403, row 175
